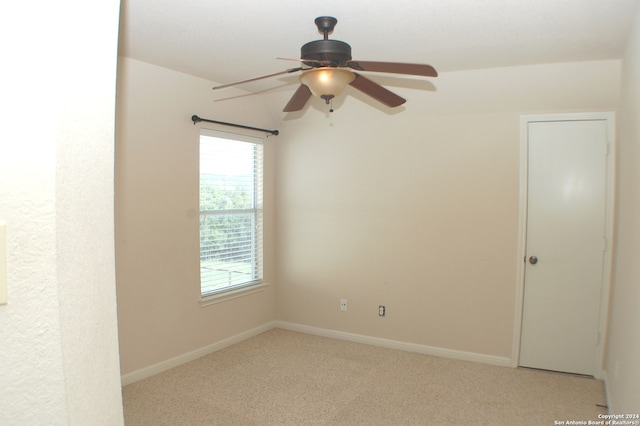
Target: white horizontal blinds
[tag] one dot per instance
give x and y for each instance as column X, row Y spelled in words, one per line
column 230, row 211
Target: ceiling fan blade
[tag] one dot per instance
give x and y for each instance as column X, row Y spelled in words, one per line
column 394, row 68
column 376, row 91
column 289, row 59
column 290, row 70
column 298, row 100
column 313, row 62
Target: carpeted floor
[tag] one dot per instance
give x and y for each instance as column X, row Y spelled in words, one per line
column 287, row 378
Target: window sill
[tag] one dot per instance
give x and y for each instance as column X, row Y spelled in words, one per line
column 232, row 294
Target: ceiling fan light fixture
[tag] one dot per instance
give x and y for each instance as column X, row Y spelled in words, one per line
column 327, row 82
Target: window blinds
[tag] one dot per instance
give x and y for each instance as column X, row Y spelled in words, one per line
column 231, row 169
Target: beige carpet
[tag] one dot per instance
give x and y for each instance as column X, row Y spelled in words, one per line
column 287, row 378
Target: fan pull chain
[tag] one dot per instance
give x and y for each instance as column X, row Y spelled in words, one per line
column 331, row 106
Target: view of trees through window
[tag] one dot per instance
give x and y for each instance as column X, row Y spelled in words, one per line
column 230, row 219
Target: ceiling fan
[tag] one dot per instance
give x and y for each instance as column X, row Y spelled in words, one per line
column 328, row 68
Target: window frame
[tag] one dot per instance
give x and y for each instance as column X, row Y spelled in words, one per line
column 256, row 211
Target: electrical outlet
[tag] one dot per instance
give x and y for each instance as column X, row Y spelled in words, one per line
column 343, row 305
column 382, row 310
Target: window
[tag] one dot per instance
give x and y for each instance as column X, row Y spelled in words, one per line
column 230, row 212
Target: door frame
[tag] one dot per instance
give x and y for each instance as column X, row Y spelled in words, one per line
column 609, row 117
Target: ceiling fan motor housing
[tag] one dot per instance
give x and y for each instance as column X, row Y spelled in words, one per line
column 319, row 53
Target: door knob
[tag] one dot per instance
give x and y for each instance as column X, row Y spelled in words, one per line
column 533, row 260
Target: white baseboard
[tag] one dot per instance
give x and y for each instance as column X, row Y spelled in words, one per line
column 154, row 369
column 168, row 364
column 395, row 344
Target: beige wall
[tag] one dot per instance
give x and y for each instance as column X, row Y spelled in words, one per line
column 418, row 210
column 415, row 208
column 623, row 356
column 156, row 214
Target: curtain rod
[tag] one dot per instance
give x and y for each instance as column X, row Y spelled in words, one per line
column 197, row 119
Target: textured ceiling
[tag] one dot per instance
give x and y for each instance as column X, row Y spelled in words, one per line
column 230, row 40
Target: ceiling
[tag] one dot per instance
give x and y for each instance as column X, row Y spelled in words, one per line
column 230, row 40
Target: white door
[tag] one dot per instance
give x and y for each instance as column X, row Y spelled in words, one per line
column 565, row 245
